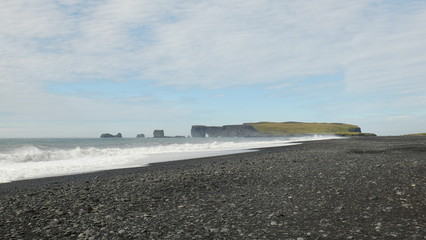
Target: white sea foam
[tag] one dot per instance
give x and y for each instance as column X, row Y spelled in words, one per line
column 31, row 161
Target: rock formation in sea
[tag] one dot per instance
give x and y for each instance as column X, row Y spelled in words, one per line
column 140, row 135
column 158, row 133
column 108, row 135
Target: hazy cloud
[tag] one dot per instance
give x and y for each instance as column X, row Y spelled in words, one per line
column 376, row 46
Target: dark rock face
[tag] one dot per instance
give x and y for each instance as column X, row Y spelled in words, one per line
column 355, row 130
column 271, row 129
column 358, row 135
column 225, row 131
column 108, row 135
column 158, row 133
column 141, row 135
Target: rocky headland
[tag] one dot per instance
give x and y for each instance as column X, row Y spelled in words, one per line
column 226, row 131
column 274, row 129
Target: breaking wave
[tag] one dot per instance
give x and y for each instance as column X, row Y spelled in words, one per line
column 32, row 161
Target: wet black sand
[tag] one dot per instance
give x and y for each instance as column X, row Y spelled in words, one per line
column 360, row 188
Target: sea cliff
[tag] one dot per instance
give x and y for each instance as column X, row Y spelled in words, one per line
column 271, row 129
column 225, row 131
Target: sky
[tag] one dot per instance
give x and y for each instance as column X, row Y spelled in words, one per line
column 79, row 68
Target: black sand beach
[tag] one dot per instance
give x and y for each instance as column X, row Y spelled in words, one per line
column 359, row 188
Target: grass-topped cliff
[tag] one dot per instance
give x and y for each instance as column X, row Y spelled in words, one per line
column 270, row 129
column 294, row 128
column 416, row 134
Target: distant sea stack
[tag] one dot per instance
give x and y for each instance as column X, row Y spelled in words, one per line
column 274, row 129
column 158, row 133
column 108, row 135
column 140, row 135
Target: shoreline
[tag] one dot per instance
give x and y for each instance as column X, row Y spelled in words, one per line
column 353, row 188
column 109, row 157
column 102, row 174
column 126, row 170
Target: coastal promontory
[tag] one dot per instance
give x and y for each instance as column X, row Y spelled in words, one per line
column 273, row 129
column 243, row 130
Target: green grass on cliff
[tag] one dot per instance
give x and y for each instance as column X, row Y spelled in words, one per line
column 416, row 134
column 292, row 128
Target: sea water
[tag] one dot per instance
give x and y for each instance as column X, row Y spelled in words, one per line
column 35, row 158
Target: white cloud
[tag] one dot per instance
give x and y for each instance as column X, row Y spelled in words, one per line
column 378, row 45
column 217, row 43
column 388, row 56
column 278, row 86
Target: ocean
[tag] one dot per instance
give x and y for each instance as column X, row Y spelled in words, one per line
column 36, row 158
